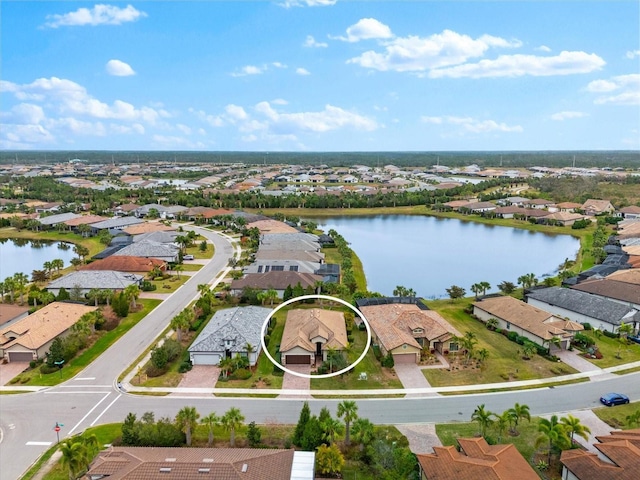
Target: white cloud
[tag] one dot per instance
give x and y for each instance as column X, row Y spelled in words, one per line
column 302, row 71
column 279, row 65
column 213, row 120
column 98, row 15
column 560, row 116
column 543, row 48
column 471, row 125
column 26, row 113
column 366, row 29
column 631, row 54
column 16, row 136
column 119, row 68
column 183, row 128
column 235, row 112
column 418, row 54
column 625, row 90
column 65, row 96
column 78, row 127
column 307, row 3
column 279, row 101
column 566, row 63
column 249, row 70
column 311, row 42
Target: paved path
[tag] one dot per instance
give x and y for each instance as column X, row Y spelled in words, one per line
column 422, row 437
column 11, row 370
column 573, row 359
column 295, row 382
column 205, row 376
column 411, row 377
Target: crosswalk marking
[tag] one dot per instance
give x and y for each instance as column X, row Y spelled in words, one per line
column 46, row 444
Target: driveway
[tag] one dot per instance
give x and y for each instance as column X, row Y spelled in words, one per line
column 295, row 382
column 200, row 376
column 422, row 437
column 411, row 377
column 573, row 359
column 11, row 370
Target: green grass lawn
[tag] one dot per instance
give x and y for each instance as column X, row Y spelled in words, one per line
column 505, row 361
column 611, row 348
column 191, row 267
column 199, row 254
column 617, row 416
column 169, row 285
column 377, row 376
column 332, row 255
column 35, row 377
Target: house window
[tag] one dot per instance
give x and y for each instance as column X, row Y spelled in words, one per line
column 293, row 268
column 453, row 347
column 260, row 269
column 266, row 269
column 277, row 268
column 508, row 325
column 418, row 330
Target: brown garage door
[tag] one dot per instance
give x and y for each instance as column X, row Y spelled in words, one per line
column 298, row 359
column 404, row 358
column 20, row 356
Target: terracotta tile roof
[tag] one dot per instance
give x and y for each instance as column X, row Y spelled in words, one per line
column 272, row 226
column 477, row 460
column 123, row 263
column 40, row 327
column 393, row 324
column 304, row 324
column 85, row 220
column 148, row 227
column 631, row 275
column 622, row 448
column 527, row 317
column 565, row 216
column 147, row 463
column 597, row 206
column 568, row 205
column 8, row 312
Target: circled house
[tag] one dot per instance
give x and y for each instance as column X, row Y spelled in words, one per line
column 404, row 330
column 309, row 334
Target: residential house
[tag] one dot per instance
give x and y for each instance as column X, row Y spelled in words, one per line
column 290, row 241
column 624, row 293
column 84, row 281
column 582, row 307
column 569, row 207
column 597, row 207
column 122, row 263
column 277, row 281
column 565, row 219
column 630, row 213
column 284, row 254
column 126, row 209
column 515, row 201
column 50, row 207
column 30, row 337
column 405, row 329
column 53, row 220
column 480, row 207
column 74, row 223
column 539, row 203
column 228, row 333
column 10, row 313
column 148, row 227
column 618, row 458
column 526, row 320
column 150, row 463
column 475, row 459
column 309, row 334
column 165, row 237
column 162, row 251
column 264, row 266
column 115, row 223
column 509, row 211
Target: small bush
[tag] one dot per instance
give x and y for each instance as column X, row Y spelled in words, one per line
column 512, row 336
column 32, row 364
column 587, row 326
column 185, row 367
column 277, row 371
column 153, row 371
column 241, row 374
column 46, row 369
column 387, row 361
column 350, row 338
column 609, row 334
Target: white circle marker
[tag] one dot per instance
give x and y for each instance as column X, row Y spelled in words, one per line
column 307, row 297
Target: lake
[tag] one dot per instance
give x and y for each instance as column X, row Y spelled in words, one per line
column 430, row 254
column 22, row 255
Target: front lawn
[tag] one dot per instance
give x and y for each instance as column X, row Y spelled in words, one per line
column 169, row 285
column 504, row 362
column 104, row 341
column 617, row 416
column 611, row 348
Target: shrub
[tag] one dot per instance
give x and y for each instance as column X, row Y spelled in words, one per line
column 512, row 336
column 387, row 361
column 520, row 340
column 350, row 338
column 377, row 353
column 610, row 334
column 185, row 367
column 153, row 371
column 32, row 364
column 47, row 369
column 147, row 286
column 587, row 326
column 173, row 348
column 277, row 371
column 241, row 374
column 159, row 357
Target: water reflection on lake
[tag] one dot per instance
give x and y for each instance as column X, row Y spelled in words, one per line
column 24, row 255
column 430, row 254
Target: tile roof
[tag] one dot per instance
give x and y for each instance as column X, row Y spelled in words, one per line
column 607, row 287
column 241, row 324
column 276, row 280
column 394, row 323
column 284, row 254
column 631, row 275
column 88, row 279
column 586, row 304
column 158, row 236
column 117, row 222
column 123, row 263
column 527, row 317
column 59, row 218
column 621, row 448
column 9, row 311
column 477, row 460
column 304, row 324
column 150, row 463
column 272, row 226
column 150, row 249
column 148, row 227
column 40, row 327
column 85, row 220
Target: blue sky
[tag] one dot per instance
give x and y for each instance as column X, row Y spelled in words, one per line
column 320, row 75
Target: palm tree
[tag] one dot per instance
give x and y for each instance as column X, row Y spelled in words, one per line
column 84, row 229
column 94, row 294
column 132, row 292
column 21, row 281
column 179, row 323
column 187, row 419
column 91, row 447
column 363, row 432
column 48, row 268
column 332, row 427
column 574, row 427
column 249, row 349
column 212, row 420
column 624, row 330
column 502, row 423
column 225, row 365
column 519, row 412
column 73, row 456
column 232, row 420
column 3, row 289
column 485, row 286
column 81, row 251
column 58, row 264
column 552, row 433
column 633, row 419
column 476, row 288
column 483, row 417
column 506, row 287
column 10, row 287
column 178, row 268
column 349, row 410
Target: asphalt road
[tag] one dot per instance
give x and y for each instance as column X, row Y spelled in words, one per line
column 27, row 420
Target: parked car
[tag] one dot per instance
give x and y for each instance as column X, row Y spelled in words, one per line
column 611, row 399
column 634, row 339
column 187, row 257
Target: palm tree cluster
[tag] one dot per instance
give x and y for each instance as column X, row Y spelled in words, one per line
column 480, row 288
column 78, row 453
column 558, row 435
column 16, row 284
column 528, row 280
column 508, row 420
column 401, row 291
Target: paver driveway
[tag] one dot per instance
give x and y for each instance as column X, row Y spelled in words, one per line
column 411, row 377
column 295, row 382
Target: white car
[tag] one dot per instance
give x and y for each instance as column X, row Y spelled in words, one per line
column 187, row 257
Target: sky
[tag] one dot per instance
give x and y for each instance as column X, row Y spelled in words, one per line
column 320, row 75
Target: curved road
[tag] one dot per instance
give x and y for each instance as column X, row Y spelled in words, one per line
column 89, row 399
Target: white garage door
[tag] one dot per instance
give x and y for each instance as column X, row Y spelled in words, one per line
column 205, row 358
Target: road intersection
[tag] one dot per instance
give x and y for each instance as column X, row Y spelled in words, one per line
column 93, row 397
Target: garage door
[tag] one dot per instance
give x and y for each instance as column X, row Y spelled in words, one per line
column 298, row 359
column 404, row 358
column 205, row 359
column 20, row 356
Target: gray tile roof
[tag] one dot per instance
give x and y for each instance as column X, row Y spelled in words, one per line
column 160, row 237
column 241, row 324
column 88, row 279
column 59, row 218
column 586, row 304
column 117, row 222
column 150, row 249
